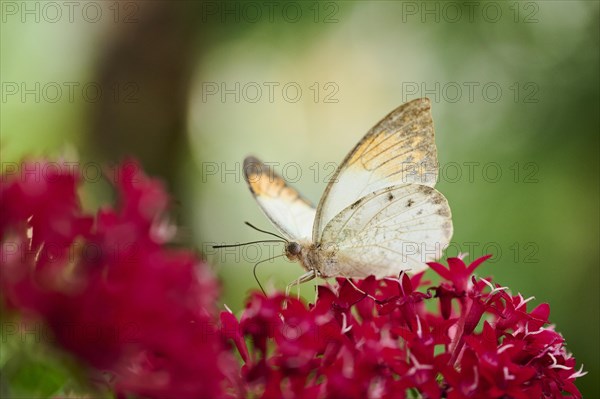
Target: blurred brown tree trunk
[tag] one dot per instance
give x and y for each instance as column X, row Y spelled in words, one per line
column 145, row 74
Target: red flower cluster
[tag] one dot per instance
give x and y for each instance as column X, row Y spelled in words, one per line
column 114, row 294
column 108, row 287
column 382, row 339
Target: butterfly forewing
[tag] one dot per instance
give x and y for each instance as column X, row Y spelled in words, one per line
column 292, row 214
column 392, row 229
column 399, row 149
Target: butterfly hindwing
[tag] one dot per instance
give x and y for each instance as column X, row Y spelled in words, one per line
column 392, row 229
column 292, row 214
column 399, row 149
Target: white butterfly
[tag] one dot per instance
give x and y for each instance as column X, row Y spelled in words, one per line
column 379, row 214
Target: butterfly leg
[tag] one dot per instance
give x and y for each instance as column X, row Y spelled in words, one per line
column 309, row 275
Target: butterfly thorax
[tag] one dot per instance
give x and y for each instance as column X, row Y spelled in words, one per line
column 322, row 258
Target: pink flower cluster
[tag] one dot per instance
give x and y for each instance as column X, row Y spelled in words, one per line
column 116, row 294
column 108, row 287
column 464, row 338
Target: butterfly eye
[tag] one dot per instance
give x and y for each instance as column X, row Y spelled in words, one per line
column 294, row 248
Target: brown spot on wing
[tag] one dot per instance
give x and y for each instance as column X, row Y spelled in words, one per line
column 356, row 203
column 443, row 212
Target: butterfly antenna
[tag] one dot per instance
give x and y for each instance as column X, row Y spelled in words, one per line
column 266, row 232
column 254, row 271
column 244, row 243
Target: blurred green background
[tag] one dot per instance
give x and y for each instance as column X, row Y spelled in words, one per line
column 191, row 88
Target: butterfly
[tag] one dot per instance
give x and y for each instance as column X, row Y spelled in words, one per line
column 379, row 214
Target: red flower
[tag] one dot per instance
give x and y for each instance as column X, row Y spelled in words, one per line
column 376, row 338
column 111, row 291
